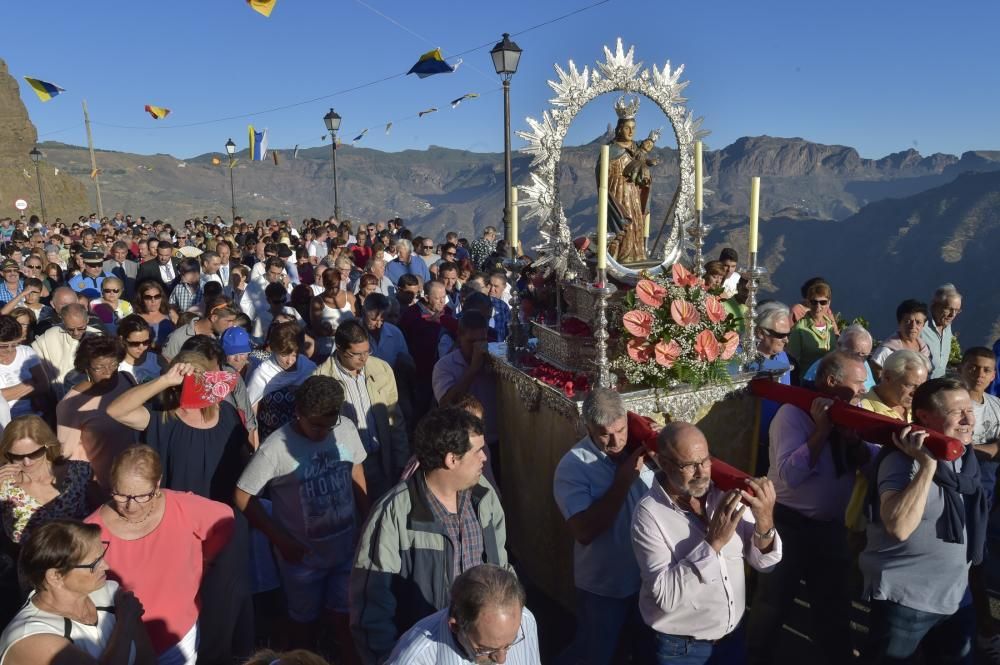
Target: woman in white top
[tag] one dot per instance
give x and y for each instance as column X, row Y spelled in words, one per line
column 271, row 388
column 21, row 375
column 139, row 362
column 332, row 306
column 74, row 614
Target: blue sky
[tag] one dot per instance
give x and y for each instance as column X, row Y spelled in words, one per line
column 879, row 76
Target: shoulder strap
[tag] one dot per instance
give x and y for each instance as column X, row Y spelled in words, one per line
column 68, row 629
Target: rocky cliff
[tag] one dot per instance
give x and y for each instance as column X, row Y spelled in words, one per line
column 64, row 196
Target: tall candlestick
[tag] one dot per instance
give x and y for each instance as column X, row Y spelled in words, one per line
column 754, row 211
column 602, row 212
column 513, row 219
column 645, row 228
column 699, row 197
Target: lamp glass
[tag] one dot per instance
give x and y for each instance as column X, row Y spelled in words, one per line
column 332, row 120
column 506, row 56
column 230, row 147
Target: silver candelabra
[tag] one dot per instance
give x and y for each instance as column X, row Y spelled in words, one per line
column 753, row 275
column 515, row 341
column 603, row 290
column 698, row 232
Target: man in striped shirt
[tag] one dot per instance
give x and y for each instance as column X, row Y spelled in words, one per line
column 486, row 622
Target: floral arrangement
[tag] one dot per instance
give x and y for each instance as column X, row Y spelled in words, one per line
column 676, row 332
column 569, row 383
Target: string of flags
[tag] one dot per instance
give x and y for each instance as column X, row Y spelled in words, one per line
column 360, row 136
column 469, row 95
column 426, row 111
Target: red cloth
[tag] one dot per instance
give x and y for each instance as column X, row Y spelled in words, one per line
column 725, row 476
column 164, row 568
column 869, row 426
column 361, row 255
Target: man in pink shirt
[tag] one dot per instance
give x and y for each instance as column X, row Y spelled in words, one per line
column 691, row 540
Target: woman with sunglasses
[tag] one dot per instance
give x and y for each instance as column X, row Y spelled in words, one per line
column 74, row 613
column 112, row 289
column 151, row 305
column 37, row 483
column 139, row 362
column 160, row 543
column 815, row 334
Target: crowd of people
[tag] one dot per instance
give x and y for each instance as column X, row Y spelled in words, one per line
column 340, row 495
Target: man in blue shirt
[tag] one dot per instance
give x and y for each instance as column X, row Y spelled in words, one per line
column 407, row 263
column 89, row 281
column 597, row 486
column 937, row 334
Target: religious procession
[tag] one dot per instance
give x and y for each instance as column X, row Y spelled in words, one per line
column 343, row 439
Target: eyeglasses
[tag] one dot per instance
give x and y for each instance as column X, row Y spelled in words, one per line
column 691, row 466
column 430, row 247
column 449, row 254
column 111, row 290
column 952, row 311
column 141, row 342
column 358, row 354
column 863, row 357
column 8, row 347
column 487, row 652
column 93, row 566
column 137, row 498
column 30, row 266
column 152, row 296
column 38, row 453
column 774, row 333
column 103, row 369
column 78, row 329
column 819, row 303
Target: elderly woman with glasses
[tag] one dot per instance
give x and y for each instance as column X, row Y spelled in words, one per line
column 112, row 289
column 151, row 305
column 74, row 613
column 815, row 334
column 161, row 542
column 38, row 484
column 85, row 429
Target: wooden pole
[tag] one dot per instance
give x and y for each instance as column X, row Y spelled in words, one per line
column 93, row 161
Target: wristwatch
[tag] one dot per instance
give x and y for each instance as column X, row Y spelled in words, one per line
column 767, row 535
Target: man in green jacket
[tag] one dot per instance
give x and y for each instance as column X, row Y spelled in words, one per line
column 424, row 533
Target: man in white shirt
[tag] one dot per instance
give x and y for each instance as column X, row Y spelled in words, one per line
column 691, row 540
column 486, row 622
column 210, row 265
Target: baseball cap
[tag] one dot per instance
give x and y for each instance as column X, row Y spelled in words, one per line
column 236, row 340
column 9, row 264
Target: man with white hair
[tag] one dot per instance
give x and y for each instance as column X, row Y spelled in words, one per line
column 855, row 341
column 945, row 307
column 904, row 371
column 406, row 263
column 691, row 540
column 772, row 328
column 597, row 486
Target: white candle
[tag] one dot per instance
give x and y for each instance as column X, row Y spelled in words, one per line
column 699, row 196
column 513, row 219
column 754, row 211
column 645, row 228
column 602, row 210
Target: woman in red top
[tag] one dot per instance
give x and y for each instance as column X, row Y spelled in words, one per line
column 161, row 541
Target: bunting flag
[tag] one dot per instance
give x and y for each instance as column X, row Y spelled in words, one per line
column 432, row 63
column 360, row 136
column 94, row 174
column 26, row 174
column 274, row 156
column 426, row 111
column 57, row 171
column 388, row 126
column 258, row 144
column 216, row 161
column 157, row 112
column 295, row 152
column 43, row 89
column 264, row 7
column 456, row 102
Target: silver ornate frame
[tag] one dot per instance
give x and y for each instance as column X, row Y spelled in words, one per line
column 575, row 89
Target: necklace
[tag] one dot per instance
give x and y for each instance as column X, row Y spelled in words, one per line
column 152, row 507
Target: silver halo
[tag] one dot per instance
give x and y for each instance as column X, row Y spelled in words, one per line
column 575, row 89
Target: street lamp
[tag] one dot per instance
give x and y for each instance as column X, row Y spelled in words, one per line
column 506, row 54
column 332, row 120
column 36, row 155
column 231, row 150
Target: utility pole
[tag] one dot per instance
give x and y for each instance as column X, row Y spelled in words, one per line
column 93, row 162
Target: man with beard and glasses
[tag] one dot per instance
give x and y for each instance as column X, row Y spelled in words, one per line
column 691, row 540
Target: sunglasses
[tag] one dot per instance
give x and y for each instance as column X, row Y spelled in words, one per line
column 152, row 296
column 111, row 290
column 775, row 334
column 141, row 342
column 819, row 303
column 32, row 267
column 38, row 453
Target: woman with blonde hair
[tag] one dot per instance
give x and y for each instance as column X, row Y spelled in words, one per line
column 815, row 334
column 160, row 545
column 37, row 484
column 74, row 613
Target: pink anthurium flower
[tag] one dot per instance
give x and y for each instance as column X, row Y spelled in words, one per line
column 638, row 322
column 650, row 293
column 667, row 353
column 684, row 313
column 706, row 346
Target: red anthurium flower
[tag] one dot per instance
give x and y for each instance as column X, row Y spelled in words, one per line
column 682, row 276
column 667, row 353
column 706, row 346
column 638, row 322
column 714, row 309
column 684, row 313
column 639, row 351
column 731, row 340
column 650, row 293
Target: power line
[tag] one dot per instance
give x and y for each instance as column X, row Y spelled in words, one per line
column 344, row 90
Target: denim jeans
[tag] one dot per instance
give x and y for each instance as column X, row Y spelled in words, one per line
column 679, row 650
column 896, row 631
column 600, row 624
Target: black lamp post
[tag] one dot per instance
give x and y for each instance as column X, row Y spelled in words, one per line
column 36, row 155
column 332, row 120
column 506, row 54
column 231, row 150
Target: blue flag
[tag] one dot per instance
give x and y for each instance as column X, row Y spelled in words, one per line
column 432, row 63
column 258, row 144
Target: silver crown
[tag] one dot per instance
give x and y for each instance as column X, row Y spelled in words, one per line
column 654, row 135
column 627, row 111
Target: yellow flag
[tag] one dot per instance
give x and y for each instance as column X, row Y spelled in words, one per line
column 94, row 174
column 216, row 161
column 262, row 6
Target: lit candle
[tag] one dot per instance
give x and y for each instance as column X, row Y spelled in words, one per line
column 602, row 211
column 513, row 219
column 645, row 228
column 754, row 211
column 699, row 197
